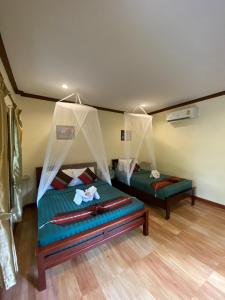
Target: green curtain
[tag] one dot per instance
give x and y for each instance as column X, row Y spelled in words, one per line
column 8, row 259
column 15, row 127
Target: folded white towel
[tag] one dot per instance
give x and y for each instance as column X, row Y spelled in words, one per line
column 86, row 196
column 155, row 174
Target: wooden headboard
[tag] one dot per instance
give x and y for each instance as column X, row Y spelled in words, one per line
column 70, row 166
column 115, row 163
column 143, row 164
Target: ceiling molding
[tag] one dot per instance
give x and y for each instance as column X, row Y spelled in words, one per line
column 39, row 97
column 6, row 64
column 34, row 96
column 5, row 61
column 211, row 96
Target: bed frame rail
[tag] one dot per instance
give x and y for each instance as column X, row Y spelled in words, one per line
column 166, row 204
column 68, row 248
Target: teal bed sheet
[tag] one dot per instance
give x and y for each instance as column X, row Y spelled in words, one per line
column 141, row 180
column 60, row 201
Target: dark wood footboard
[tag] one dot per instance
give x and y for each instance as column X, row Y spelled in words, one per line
column 68, row 248
column 166, row 204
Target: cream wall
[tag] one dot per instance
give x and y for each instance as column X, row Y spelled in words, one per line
column 195, row 148
column 37, row 116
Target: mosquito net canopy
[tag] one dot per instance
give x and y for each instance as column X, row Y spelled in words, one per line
column 69, row 120
column 136, row 136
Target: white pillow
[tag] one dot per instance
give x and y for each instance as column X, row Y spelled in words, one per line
column 75, row 181
column 50, row 187
column 76, row 172
column 68, row 172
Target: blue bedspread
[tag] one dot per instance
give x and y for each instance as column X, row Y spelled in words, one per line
column 60, row 201
column 141, row 181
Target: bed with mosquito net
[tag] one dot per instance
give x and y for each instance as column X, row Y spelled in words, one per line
column 59, row 242
column 137, row 145
column 66, row 225
column 163, row 192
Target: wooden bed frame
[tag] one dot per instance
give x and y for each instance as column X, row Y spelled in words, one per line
column 150, row 199
column 60, row 251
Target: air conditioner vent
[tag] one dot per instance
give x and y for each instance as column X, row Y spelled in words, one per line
column 184, row 114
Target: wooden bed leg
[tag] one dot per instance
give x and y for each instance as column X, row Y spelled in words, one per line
column 167, row 210
column 145, row 225
column 41, row 273
column 193, row 197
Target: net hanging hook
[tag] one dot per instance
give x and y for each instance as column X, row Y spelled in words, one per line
column 141, row 108
column 67, row 97
column 77, row 98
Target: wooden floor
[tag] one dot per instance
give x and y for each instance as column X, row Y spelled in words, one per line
column 183, row 258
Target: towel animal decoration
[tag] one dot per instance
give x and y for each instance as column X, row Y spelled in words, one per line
column 86, row 196
column 91, row 211
column 164, row 182
column 155, row 174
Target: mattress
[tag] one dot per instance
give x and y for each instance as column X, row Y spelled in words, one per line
column 141, row 180
column 54, row 202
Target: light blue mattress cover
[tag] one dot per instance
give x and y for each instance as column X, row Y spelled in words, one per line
column 55, row 202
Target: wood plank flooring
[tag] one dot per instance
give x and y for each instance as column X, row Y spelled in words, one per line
column 183, row 258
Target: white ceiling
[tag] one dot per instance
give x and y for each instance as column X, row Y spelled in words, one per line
column 117, row 53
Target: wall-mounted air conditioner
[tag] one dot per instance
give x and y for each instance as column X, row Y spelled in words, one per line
column 188, row 113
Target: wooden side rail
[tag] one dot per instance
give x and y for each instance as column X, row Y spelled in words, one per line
column 166, row 204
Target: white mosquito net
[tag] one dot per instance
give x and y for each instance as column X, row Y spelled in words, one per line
column 69, row 119
column 137, row 135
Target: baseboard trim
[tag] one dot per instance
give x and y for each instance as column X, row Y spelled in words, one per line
column 1, row 292
column 208, row 202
